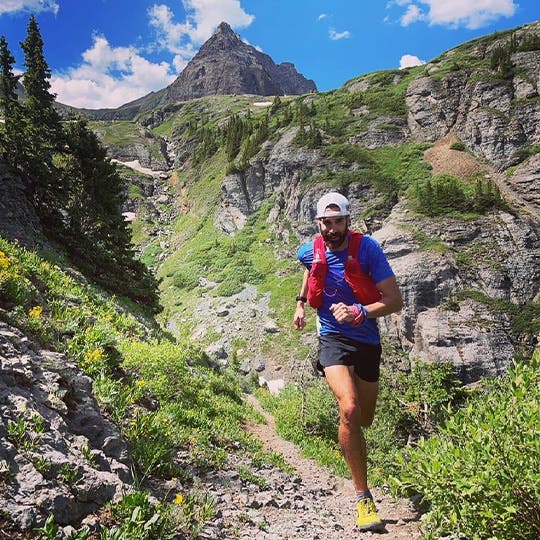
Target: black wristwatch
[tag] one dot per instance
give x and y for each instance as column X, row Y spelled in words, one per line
column 301, row 299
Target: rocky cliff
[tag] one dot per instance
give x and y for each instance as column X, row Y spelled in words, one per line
column 18, row 218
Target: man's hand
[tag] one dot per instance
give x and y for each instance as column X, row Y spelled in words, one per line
column 343, row 313
column 300, row 317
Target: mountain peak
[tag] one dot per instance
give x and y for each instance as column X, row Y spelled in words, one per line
column 224, row 28
column 227, row 65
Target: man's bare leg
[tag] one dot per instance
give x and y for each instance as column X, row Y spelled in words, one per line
column 356, row 400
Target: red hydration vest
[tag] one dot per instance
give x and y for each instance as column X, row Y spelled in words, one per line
column 362, row 285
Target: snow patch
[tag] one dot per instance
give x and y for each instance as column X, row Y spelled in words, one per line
column 136, row 165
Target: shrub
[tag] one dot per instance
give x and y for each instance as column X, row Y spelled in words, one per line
column 458, row 145
column 480, row 474
column 440, row 195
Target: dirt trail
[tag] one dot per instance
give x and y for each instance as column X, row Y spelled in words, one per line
column 337, row 494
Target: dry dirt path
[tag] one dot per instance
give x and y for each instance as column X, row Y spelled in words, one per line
column 336, row 496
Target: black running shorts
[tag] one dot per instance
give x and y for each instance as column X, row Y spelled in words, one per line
column 337, row 350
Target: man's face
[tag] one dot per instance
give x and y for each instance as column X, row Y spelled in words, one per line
column 334, row 230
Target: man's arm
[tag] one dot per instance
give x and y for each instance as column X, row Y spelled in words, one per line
column 300, row 314
column 390, row 302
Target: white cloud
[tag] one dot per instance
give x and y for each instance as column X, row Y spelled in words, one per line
column 457, row 13
column 338, row 35
column 12, row 6
column 469, row 14
column 202, row 18
column 322, row 16
column 413, row 14
column 409, row 60
column 109, row 77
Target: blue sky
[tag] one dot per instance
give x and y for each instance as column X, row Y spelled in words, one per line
column 103, row 53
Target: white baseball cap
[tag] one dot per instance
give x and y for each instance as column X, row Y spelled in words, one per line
column 331, row 199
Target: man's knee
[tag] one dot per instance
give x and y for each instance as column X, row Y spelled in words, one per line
column 350, row 413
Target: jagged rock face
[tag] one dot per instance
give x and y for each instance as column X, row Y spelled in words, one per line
column 68, row 460
column 18, row 219
column 494, row 117
column 526, row 181
column 226, row 65
column 141, row 153
column 497, row 255
column 243, row 193
column 383, row 131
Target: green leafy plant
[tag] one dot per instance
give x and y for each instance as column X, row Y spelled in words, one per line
column 193, row 511
column 88, row 455
column 458, row 145
column 480, row 475
column 248, row 475
column 49, row 531
column 139, row 519
column 68, row 475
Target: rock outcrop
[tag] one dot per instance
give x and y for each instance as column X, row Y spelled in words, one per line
column 58, row 454
column 453, row 294
column 18, row 219
column 494, row 116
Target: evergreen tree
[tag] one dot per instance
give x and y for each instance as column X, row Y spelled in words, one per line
column 313, row 137
column 97, row 232
column 235, row 131
column 11, row 130
column 276, row 104
column 43, row 133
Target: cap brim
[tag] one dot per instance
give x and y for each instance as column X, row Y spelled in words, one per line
column 333, row 213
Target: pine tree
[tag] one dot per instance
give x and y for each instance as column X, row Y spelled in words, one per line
column 276, row 104
column 11, row 130
column 43, row 133
column 97, row 233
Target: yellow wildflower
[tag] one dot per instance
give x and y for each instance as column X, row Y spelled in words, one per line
column 179, row 499
column 4, row 261
column 94, row 355
column 35, row 312
column 140, row 383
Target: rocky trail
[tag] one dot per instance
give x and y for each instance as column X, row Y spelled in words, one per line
column 312, row 504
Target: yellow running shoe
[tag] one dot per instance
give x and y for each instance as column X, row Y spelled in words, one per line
column 367, row 519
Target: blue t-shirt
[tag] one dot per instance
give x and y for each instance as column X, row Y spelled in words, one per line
column 373, row 262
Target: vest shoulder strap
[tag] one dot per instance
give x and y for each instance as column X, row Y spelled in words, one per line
column 355, row 239
column 319, row 250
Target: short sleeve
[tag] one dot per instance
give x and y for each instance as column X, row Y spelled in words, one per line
column 373, row 260
column 305, row 254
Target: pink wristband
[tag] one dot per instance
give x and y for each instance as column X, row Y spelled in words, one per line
column 359, row 315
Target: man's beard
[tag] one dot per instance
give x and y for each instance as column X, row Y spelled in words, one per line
column 335, row 239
